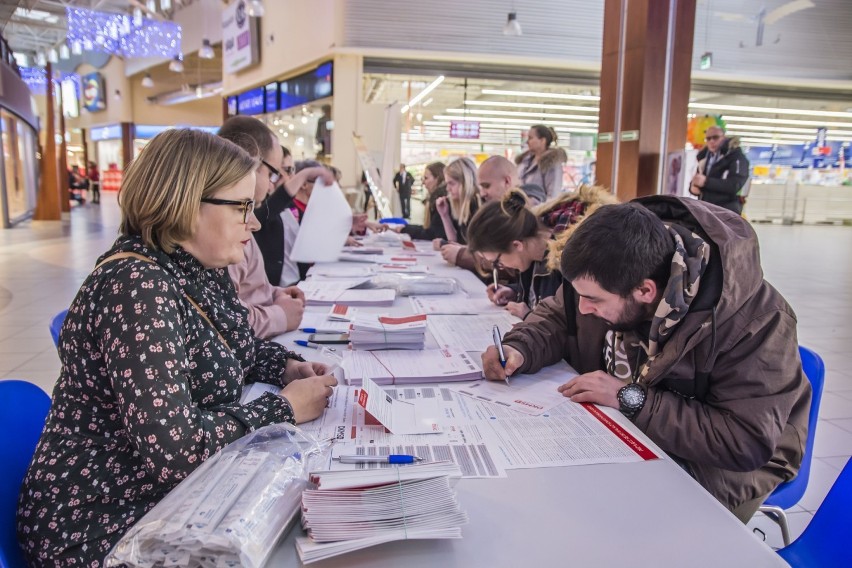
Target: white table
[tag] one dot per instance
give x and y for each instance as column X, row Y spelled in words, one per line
column 621, row 515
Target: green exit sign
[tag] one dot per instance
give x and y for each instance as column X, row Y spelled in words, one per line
column 706, row 61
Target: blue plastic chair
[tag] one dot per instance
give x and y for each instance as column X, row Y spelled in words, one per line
column 790, row 492
column 825, row 541
column 23, row 409
column 394, row 220
column 56, row 326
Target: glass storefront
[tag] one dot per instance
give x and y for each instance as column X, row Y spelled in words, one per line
column 20, row 169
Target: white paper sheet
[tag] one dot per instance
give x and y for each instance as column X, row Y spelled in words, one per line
column 455, row 304
column 429, row 365
column 325, row 226
column 399, row 416
column 471, row 333
column 528, row 394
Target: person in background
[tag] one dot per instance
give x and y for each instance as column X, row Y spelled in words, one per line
column 556, row 220
column 495, row 177
column 94, row 182
column 272, row 309
column 293, row 271
column 155, row 352
column 270, row 236
column 542, row 163
column 723, row 170
column 403, row 181
column 666, row 316
column 432, row 227
column 460, row 204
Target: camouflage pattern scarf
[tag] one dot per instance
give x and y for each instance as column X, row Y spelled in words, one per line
column 688, row 264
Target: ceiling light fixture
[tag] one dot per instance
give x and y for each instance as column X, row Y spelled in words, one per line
column 536, row 94
column 419, row 96
column 206, row 51
column 147, row 81
column 41, row 60
column 52, row 55
column 137, row 16
column 521, row 121
column 64, row 52
column 176, row 64
column 794, row 111
column 512, row 27
column 76, row 48
column 512, row 104
column 256, row 9
column 591, row 118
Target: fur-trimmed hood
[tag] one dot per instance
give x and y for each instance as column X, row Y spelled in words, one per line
column 550, row 158
column 730, row 144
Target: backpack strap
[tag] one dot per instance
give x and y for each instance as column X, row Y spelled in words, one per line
column 143, row 258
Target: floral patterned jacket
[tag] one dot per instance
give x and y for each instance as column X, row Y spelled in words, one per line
column 147, row 392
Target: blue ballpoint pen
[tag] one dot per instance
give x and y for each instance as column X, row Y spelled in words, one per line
column 312, row 345
column 393, row 458
column 319, row 330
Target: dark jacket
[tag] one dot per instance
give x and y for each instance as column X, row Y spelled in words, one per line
column 435, row 230
column 404, row 188
column 537, row 283
column 270, row 236
column 726, row 177
column 726, row 392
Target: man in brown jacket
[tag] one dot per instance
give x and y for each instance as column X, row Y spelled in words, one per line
column 666, row 315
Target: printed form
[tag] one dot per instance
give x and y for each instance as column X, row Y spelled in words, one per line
column 472, row 333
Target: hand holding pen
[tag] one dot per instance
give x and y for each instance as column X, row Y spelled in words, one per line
column 494, row 370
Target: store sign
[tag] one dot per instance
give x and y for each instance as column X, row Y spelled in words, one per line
column 240, row 34
column 307, row 87
column 92, row 86
column 232, row 106
column 465, row 129
column 272, row 97
column 111, row 132
column 148, row 131
column 706, row 61
column 251, row 102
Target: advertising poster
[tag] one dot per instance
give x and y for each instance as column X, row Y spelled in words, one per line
column 93, row 92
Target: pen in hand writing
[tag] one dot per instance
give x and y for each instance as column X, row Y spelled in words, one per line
column 498, row 343
column 495, row 280
column 393, row 458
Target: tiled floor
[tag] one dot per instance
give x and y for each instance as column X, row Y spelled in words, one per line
column 42, row 265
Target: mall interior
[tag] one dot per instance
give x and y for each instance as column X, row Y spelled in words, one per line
column 629, row 87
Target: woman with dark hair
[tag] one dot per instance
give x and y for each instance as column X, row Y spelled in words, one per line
column 542, row 163
column 433, row 226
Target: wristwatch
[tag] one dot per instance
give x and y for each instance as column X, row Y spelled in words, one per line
column 631, row 399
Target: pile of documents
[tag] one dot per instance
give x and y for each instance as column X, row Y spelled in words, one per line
column 351, row 510
column 409, row 367
column 383, row 332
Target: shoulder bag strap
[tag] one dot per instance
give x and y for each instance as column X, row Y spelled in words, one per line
column 136, row 255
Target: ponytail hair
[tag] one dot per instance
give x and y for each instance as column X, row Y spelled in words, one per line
column 546, row 132
column 499, row 223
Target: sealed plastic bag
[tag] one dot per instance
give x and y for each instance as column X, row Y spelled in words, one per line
column 416, row 284
column 232, row 510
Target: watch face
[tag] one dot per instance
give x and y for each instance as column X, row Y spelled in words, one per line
column 632, row 396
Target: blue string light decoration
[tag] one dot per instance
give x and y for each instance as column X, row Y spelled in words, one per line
column 119, row 34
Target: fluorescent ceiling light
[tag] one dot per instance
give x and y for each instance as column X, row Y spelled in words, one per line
column 532, row 105
column 795, row 111
column 811, row 132
column 540, row 95
column 787, row 121
column 512, row 113
column 520, row 121
column 419, row 96
column 37, row 15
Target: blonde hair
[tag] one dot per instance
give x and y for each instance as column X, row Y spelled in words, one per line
column 162, row 189
column 593, row 196
column 463, row 172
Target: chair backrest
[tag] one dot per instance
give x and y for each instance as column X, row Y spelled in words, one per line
column 825, row 540
column 23, row 409
column 789, row 493
column 56, row 326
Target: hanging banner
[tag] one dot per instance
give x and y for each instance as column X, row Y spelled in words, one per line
column 240, row 33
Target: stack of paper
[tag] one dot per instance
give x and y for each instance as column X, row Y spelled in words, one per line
column 384, row 332
column 337, row 291
column 409, row 367
column 351, row 510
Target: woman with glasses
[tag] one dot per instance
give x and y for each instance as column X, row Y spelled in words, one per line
column 155, row 352
column 508, row 234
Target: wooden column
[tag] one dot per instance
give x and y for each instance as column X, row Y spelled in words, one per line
column 645, row 79
column 62, row 159
column 127, row 133
column 48, row 204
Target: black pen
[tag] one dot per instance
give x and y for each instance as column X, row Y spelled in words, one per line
column 498, row 343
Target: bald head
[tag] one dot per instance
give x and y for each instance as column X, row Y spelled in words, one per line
column 496, row 176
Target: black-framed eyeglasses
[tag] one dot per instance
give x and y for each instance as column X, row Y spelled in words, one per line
column 497, row 263
column 713, row 137
column 290, row 170
column 274, row 174
column 245, row 205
